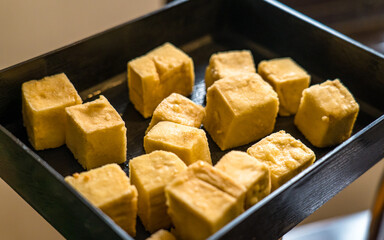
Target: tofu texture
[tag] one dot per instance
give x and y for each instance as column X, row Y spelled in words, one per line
column 240, row 109
column 225, row 64
column 150, row 173
column 327, row 114
column 203, row 199
column 154, row 76
column 284, row 155
column 178, row 109
column 162, row 235
column 108, row 188
column 43, row 104
column 288, row 79
column 96, row 134
column 188, row 143
column 249, row 172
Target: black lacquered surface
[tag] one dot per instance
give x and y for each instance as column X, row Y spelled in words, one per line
column 97, row 66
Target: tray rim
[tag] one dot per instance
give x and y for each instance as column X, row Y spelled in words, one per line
column 272, row 195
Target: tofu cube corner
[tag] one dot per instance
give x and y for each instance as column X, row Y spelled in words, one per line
column 288, row 79
column 201, row 200
column 327, row 114
column 150, row 173
column 178, row 109
column 284, row 155
column 226, row 64
column 240, row 109
column 43, row 104
column 190, row 144
column 96, row 133
column 251, row 173
column 109, row 189
column 154, row 76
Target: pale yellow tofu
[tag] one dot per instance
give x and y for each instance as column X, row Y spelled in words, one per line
column 162, row 235
column 288, row 79
column 108, row 188
column 144, row 85
column 96, row 133
column 178, row 109
column 251, row 173
column 154, row 76
column 190, row 144
column 43, row 104
column 225, row 64
column 327, row 114
column 203, row 199
column 284, row 155
column 240, row 109
column 150, row 173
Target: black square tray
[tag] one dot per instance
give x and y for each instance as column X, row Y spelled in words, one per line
column 97, row 65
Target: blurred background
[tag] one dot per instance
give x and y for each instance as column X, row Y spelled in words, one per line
column 31, row 28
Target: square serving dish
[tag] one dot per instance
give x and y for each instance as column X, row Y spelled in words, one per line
column 97, row 65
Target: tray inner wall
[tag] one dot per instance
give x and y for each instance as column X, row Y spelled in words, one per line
column 232, row 33
column 115, row 89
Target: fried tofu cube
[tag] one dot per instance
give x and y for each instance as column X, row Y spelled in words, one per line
column 225, row 64
column 284, row 155
column 288, row 79
column 144, row 85
column 150, row 173
column 240, row 109
column 43, row 104
column 203, row 199
column 162, row 235
column 327, row 114
column 96, row 133
column 188, row 143
column 249, row 172
column 108, row 188
column 154, row 76
column 178, row 109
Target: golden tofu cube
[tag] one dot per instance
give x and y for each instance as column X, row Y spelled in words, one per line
column 96, row 134
column 154, row 76
column 284, row 155
column 327, row 114
column 188, row 143
column 203, row 199
column 162, row 235
column 288, row 79
column 249, row 172
column 178, row 109
column 144, row 85
column 225, row 64
column 240, row 109
column 43, row 104
column 108, row 188
column 150, row 173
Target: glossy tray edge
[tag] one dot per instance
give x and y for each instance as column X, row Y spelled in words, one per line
column 346, row 155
